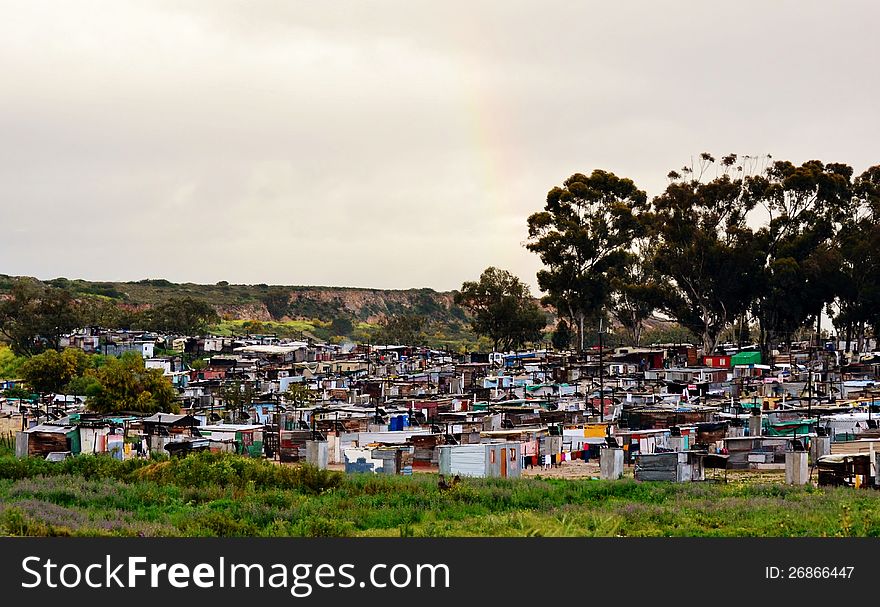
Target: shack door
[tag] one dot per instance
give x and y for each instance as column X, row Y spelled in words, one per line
column 504, row 463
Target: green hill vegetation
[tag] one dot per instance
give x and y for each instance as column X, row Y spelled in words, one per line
column 334, row 314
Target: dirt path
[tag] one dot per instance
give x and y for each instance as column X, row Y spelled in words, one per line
column 581, row 470
column 573, row 470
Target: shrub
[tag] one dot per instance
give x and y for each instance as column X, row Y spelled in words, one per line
column 319, row 526
column 227, row 470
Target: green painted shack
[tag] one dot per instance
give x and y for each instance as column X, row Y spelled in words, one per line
column 745, row 358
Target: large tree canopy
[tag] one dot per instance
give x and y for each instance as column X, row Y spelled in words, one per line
column 125, row 384
column 52, row 371
column 181, row 316
column 858, row 281
column 582, row 237
column 805, row 206
column 503, row 309
column 35, row 317
column 636, row 293
column 706, row 255
column 562, row 336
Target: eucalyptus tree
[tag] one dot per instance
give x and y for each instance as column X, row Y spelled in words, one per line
column 583, row 236
column 706, row 255
column 805, row 207
column 857, row 306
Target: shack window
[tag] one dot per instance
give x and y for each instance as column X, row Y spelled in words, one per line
column 513, row 455
column 491, row 456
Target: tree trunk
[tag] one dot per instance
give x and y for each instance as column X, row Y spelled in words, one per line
column 709, row 341
column 763, row 342
column 861, row 336
column 581, row 331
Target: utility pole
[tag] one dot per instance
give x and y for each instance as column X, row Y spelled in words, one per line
column 601, row 378
column 809, row 380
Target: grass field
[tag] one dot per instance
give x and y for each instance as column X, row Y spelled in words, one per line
column 228, row 495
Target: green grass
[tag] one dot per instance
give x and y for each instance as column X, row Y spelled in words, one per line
column 209, row 495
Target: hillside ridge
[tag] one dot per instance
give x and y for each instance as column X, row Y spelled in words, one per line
column 265, row 302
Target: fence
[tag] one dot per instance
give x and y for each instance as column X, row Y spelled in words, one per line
column 7, row 443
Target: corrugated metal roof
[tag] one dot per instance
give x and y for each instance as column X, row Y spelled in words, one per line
column 165, row 418
column 50, row 429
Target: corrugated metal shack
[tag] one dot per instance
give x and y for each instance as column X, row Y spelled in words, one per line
column 41, row 440
column 679, row 467
column 163, row 428
column 93, row 437
column 484, row 460
column 528, row 438
column 642, row 441
column 379, row 460
column 292, row 444
column 395, row 459
column 425, row 451
column 654, row 418
column 248, row 437
column 755, row 451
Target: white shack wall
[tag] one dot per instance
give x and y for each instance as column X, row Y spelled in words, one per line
column 464, row 460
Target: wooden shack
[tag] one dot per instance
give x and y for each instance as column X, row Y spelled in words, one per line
column 44, row 439
column 292, row 445
column 711, row 432
column 845, row 470
column 655, row 418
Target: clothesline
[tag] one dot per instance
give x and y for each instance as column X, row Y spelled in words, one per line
column 555, row 458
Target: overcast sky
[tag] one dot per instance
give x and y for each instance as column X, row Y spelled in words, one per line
column 387, row 144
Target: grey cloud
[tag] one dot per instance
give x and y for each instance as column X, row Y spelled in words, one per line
column 387, row 144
